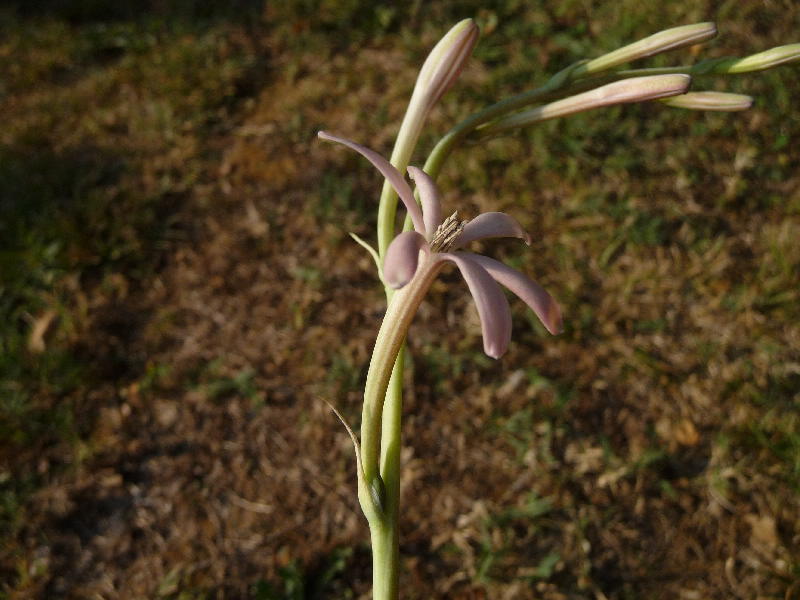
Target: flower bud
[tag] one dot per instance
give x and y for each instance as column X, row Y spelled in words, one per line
column 437, row 75
column 445, row 62
column 718, row 101
column 755, row 62
column 635, row 89
column 663, row 41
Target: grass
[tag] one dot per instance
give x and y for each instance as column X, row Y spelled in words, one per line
column 322, row 581
column 177, row 287
column 90, row 178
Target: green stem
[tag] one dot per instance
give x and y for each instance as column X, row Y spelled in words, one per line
column 384, row 530
column 626, row 73
column 385, row 560
column 452, row 138
column 391, row 434
column 556, row 87
column 404, row 146
column 383, row 406
column 385, row 536
column 394, row 327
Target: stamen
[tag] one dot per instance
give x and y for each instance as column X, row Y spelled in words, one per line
column 447, row 233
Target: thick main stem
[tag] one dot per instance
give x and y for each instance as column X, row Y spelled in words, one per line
column 390, row 338
column 380, row 429
column 386, row 561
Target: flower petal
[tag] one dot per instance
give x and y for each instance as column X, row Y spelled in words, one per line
column 528, row 290
column 429, row 196
column 491, row 224
column 392, row 175
column 401, row 259
column 490, row 301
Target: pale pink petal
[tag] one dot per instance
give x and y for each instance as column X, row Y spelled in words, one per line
column 429, row 196
column 490, row 301
column 491, row 224
column 394, row 176
column 401, row 259
column 528, row 290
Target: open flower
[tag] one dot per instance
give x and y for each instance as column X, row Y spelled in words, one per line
column 421, row 253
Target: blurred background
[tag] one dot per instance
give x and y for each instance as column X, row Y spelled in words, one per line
column 178, row 292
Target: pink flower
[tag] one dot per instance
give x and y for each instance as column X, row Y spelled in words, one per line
column 422, row 252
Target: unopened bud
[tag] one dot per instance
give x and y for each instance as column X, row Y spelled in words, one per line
column 755, row 62
column 663, row 41
column 717, row 101
column 438, row 73
column 445, row 62
column 635, row 89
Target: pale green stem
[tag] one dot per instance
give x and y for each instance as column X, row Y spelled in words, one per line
column 452, row 138
column 385, row 560
column 390, row 428
column 386, row 536
column 390, row 338
column 626, row 73
column 714, row 67
column 384, row 532
column 406, row 140
column 555, row 88
column 380, row 429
